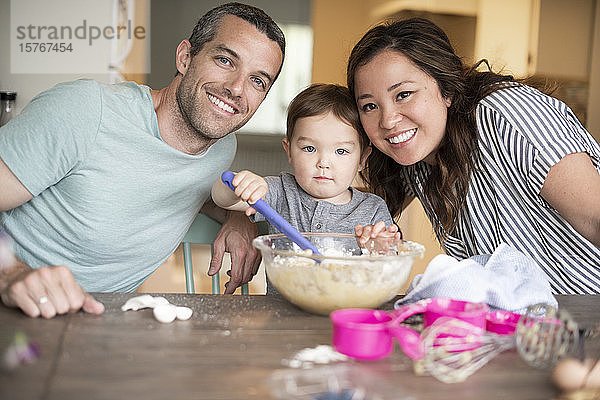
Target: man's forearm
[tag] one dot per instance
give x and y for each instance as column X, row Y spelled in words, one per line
column 214, row 211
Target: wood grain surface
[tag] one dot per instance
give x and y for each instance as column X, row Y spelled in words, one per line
column 232, row 348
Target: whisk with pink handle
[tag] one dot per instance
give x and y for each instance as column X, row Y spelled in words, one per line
column 545, row 335
column 455, row 349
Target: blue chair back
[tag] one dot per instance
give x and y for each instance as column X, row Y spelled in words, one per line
column 202, row 231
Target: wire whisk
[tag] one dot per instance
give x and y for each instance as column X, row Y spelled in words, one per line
column 455, row 349
column 545, row 334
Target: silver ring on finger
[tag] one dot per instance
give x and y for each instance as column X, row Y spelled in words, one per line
column 43, row 300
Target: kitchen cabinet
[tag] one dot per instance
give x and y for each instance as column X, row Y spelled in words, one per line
column 550, row 38
column 565, row 39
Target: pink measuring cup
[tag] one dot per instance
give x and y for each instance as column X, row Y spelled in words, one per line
column 369, row 334
column 502, row 322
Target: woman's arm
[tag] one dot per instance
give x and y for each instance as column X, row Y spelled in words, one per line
column 572, row 187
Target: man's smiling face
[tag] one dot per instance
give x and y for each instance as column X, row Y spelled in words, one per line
column 228, row 79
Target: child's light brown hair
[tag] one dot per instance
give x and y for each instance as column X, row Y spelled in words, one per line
column 321, row 98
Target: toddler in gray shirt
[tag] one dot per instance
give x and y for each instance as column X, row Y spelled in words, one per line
column 326, row 150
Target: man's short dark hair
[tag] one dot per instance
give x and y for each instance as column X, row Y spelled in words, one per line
column 208, row 25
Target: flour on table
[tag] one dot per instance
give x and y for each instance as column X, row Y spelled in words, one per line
column 306, row 358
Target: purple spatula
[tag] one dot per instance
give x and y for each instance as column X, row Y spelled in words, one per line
column 273, row 217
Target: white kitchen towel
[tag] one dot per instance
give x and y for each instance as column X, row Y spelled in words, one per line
column 506, row 280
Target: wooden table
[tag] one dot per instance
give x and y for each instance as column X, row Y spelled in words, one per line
column 231, row 348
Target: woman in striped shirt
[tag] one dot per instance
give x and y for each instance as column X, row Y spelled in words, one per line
column 491, row 159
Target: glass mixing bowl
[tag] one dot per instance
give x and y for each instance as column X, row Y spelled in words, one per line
column 343, row 277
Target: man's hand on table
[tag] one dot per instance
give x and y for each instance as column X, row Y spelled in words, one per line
column 235, row 237
column 45, row 292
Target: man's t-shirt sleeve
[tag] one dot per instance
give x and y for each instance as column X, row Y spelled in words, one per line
column 52, row 135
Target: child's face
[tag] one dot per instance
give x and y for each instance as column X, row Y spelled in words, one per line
column 325, row 156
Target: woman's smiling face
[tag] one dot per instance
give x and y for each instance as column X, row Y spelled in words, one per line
column 401, row 108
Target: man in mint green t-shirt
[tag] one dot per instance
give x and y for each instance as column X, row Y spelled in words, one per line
column 99, row 183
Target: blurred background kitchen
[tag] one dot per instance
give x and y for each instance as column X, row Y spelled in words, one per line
column 557, row 40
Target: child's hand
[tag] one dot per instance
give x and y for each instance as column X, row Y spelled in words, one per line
column 250, row 188
column 364, row 233
column 376, row 238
